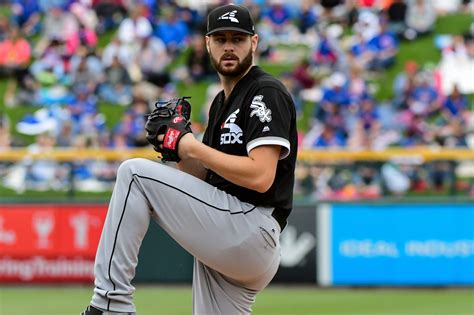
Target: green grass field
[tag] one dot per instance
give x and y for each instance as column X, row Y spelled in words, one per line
column 275, row 300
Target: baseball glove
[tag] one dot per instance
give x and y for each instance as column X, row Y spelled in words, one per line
column 171, row 119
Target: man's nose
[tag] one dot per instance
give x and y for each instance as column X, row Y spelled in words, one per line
column 228, row 46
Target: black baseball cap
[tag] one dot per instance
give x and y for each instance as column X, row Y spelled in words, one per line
column 230, row 17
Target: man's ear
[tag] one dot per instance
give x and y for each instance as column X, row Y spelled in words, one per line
column 254, row 40
column 207, row 43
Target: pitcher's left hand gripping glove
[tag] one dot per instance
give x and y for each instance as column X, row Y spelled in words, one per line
column 171, row 119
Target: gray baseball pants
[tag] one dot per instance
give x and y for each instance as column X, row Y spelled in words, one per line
column 235, row 244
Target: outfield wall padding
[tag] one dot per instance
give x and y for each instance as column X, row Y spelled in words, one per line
column 326, row 244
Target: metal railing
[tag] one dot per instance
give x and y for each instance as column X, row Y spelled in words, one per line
column 415, row 154
column 337, row 158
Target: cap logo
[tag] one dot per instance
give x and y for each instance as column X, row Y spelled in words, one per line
column 229, row 16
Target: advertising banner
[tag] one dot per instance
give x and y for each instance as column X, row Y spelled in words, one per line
column 401, row 244
column 49, row 242
column 298, row 247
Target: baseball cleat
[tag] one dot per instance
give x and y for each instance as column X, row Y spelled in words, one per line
column 91, row 310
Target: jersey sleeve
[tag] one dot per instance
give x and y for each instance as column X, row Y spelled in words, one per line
column 269, row 120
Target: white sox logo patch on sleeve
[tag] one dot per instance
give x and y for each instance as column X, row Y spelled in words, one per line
column 229, row 16
column 260, row 110
column 234, row 133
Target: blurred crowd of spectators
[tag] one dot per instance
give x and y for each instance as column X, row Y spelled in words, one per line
column 68, row 56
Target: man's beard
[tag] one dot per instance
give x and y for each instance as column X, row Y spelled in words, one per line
column 237, row 70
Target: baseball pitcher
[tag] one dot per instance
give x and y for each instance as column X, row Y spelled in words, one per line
column 230, row 195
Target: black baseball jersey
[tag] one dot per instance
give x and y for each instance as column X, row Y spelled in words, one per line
column 259, row 111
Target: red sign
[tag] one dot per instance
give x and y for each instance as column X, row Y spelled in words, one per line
column 41, row 242
column 40, row 269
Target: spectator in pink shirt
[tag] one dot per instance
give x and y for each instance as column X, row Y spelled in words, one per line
column 15, row 54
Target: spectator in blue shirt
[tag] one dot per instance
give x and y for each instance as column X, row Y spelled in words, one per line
column 424, row 99
column 453, row 125
column 336, row 95
column 384, row 47
column 132, row 125
column 83, row 105
column 455, row 105
column 26, row 14
column 329, row 138
column 84, row 102
column 172, row 31
column 325, row 52
column 306, row 18
column 278, row 15
column 367, row 127
column 276, row 24
column 359, row 52
column 128, row 127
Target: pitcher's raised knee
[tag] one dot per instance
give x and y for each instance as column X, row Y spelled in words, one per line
column 134, row 166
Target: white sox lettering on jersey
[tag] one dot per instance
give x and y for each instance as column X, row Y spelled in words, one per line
column 229, row 16
column 260, row 109
column 235, row 133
